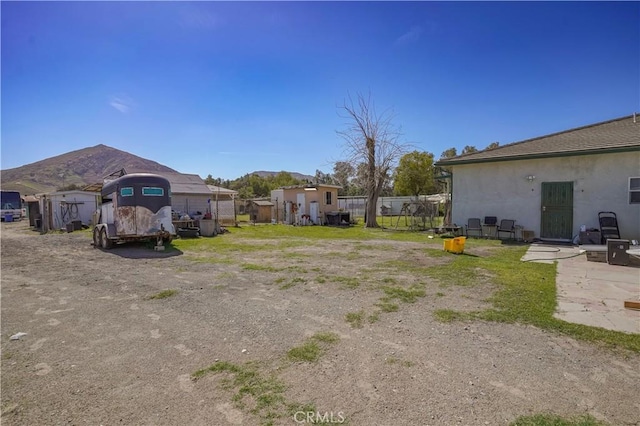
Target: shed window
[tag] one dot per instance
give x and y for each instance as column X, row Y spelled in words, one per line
column 126, row 192
column 152, row 191
column 328, row 198
column 634, row 190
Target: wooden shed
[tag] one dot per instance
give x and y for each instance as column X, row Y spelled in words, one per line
column 261, row 211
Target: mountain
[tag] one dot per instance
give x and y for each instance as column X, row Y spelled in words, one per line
column 295, row 175
column 82, row 167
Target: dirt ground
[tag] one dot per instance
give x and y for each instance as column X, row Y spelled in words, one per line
column 99, row 351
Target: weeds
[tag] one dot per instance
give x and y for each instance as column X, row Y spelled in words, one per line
column 349, row 282
column 292, row 283
column 259, row 394
column 386, row 306
column 313, row 348
column 355, row 318
column 553, row 420
column 164, row 294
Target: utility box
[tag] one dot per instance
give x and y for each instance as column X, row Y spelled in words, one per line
column 617, row 252
column 527, row 236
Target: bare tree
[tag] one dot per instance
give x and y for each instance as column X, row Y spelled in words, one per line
column 371, row 139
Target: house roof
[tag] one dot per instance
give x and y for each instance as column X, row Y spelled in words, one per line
column 620, row 134
column 222, row 191
column 186, row 183
column 311, row 186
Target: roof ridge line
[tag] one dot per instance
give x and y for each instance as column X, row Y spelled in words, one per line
column 586, row 126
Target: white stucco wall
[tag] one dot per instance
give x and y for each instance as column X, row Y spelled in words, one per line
column 68, row 206
column 190, row 203
column 600, row 183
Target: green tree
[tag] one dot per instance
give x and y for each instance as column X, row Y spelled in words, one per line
column 449, row 153
column 414, row 174
column 469, row 149
column 493, row 145
column 324, row 178
column 343, row 172
column 209, row 180
column 283, row 179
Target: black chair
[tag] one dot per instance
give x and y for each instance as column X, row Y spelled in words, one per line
column 608, row 226
column 474, row 224
column 508, row 226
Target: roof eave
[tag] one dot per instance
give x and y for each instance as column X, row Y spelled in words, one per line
column 445, row 163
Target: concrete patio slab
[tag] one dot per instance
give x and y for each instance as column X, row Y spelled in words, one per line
column 591, row 293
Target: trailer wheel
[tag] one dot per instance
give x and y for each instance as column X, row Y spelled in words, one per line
column 105, row 242
column 96, row 238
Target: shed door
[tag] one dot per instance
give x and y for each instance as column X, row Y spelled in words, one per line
column 557, row 210
column 300, row 201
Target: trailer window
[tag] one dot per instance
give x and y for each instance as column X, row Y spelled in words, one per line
column 126, row 192
column 152, row 191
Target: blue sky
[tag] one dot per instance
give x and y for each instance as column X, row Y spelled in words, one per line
column 226, row 88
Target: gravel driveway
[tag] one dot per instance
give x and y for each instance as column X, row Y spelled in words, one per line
column 99, row 350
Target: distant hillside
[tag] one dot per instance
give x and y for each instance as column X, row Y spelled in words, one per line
column 81, row 167
column 295, row 175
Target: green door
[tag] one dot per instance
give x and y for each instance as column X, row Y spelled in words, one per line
column 557, row 211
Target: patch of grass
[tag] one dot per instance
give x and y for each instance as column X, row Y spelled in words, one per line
column 263, row 268
column 355, row 318
column 389, row 280
column 326, row 337
column 299, row 269
column 308, row 352
column 449, row 315
column 409, row 295
column 164, row 294
column 386, row 306
column 321, row 280
column 349, row 282
column 293, row 282
column 433, row 252
column 313, row 348
column 462, row 271
column 440, row 294
column 261, row 395
column 526, row 294
column 554, row 420
column 375, row 317
column 295, row 255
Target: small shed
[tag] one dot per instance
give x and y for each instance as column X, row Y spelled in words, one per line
column 68, row 208
column 261, row 211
